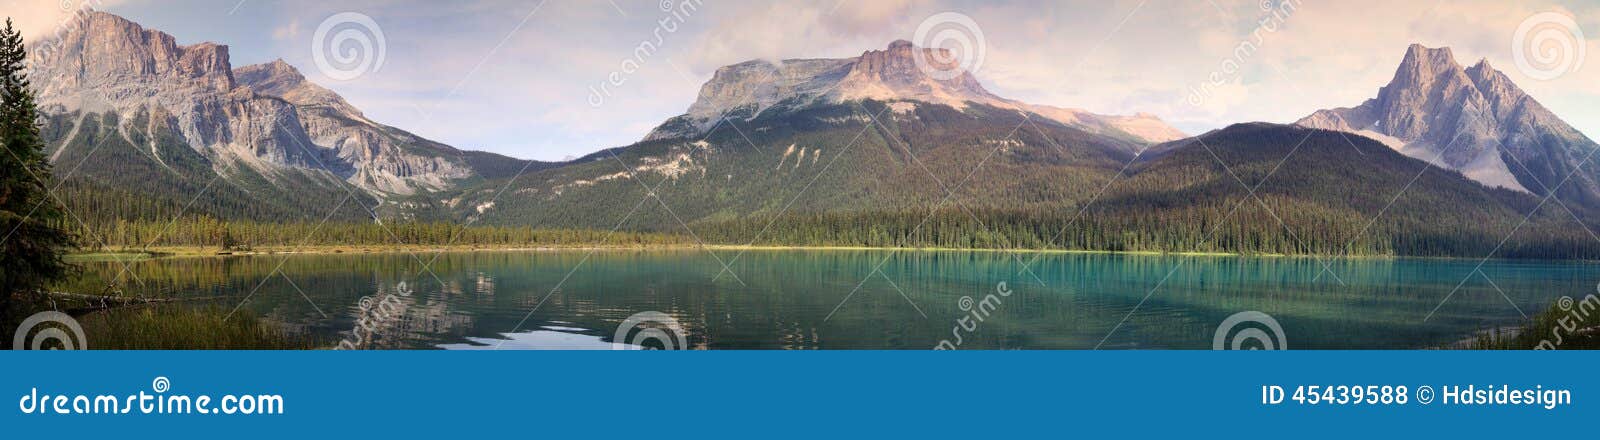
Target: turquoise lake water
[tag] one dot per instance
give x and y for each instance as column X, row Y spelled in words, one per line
column 834, row 299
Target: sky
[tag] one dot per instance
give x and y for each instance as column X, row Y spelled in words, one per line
column 522, row 78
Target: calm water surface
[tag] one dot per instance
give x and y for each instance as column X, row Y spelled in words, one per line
column 804, row 299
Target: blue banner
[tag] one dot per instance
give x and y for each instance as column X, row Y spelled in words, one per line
column 755, row 394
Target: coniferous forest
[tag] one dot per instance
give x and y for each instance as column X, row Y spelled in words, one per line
column 1179, row 198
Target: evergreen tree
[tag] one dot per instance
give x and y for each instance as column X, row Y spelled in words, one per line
column 33, row 240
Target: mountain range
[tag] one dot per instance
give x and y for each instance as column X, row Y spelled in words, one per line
column 1473, row 120
column 870, row 150
column 139, row 111
column 757, row 86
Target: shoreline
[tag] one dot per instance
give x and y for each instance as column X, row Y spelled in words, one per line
column 202, row 252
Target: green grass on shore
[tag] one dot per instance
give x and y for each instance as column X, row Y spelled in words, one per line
column 124, row 256
column 173, row 327
column 193, row 251
column 1575, row 327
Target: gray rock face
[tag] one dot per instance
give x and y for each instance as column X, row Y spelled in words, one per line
column 891, row 75
column 1473, row 120
column 384, row 158
column 264, row 117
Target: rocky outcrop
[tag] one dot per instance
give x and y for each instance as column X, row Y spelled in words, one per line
column 282, row 80
column 892, row 75
column 1473, row 120
column 384, row 158
column 258, row 118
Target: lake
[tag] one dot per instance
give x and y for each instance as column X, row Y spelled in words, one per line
column 802, row 299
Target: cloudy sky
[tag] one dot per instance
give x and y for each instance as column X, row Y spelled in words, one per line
column 516, row 77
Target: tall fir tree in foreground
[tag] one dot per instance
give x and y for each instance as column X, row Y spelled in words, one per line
column 33, row 241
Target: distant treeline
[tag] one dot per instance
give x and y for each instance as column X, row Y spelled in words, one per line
column 1251, row 229
column 212, row 233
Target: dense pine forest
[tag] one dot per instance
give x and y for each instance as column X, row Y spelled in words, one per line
column 1238, row 190
column 204, row 232
column 1250, row 230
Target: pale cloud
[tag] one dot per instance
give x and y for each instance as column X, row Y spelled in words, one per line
column 485, row 74
column 783, row 30
column 288, row 31
column 1323, row 55
column 41, row 18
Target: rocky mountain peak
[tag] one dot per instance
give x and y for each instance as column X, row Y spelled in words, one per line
column 889, row 75
column 898, row 73
column 899, row 57
column 1417, row 54
column 278, row 68
column 101, row 48
column 267, row 118
column 272, row 78
column 1493, row 83
column 280, row 79
column 1474, row 120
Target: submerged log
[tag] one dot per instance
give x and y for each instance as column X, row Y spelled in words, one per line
column 78, row 304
